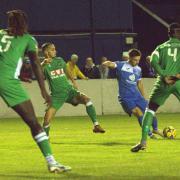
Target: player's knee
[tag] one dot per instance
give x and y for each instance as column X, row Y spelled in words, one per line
column 137, row 112
column 74, row 103
column 153, row 106
column 35, row 127
column 46, row 121
column 85, row 99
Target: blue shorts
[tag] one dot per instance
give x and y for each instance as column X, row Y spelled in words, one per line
column 128, row 104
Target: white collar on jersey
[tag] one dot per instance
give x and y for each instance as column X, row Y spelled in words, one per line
column 127, row 67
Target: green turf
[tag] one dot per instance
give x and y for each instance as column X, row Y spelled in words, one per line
column 92, row 156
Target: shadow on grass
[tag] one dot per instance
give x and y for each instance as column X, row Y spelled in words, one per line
column 82, row 177
column 97, row 143
column 166, row 139
column 64, row 175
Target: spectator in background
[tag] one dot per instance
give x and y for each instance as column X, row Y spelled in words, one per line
column 90, row 69
column 147, row 70
column 103, row 70
column 26, row 73
column 125, row 56
column 73, row 68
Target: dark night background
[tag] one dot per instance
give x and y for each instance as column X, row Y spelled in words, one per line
column 100, row 26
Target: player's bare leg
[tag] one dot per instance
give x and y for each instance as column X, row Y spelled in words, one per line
column 83, row 99
column 50, row 113
column 26, row 111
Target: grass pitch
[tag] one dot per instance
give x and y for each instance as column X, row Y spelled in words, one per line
column 91, row 156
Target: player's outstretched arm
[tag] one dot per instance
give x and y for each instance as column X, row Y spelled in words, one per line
column 109, row 64
column 39, row 74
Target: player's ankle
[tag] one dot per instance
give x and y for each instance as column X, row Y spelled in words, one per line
column 96, row 123
column 143, row 143
column 50, row 159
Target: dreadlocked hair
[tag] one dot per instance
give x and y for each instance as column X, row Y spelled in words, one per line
column 17, row 23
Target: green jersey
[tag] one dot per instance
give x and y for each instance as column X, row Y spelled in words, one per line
column 56, row 77
column 166, row 58
column 12, row 50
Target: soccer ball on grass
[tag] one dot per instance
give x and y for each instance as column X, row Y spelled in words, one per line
column 169, row 132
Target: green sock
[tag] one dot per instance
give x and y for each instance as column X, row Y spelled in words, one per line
column 147, row 122
column 46, row 129
column 91, row 112
column 43, row 143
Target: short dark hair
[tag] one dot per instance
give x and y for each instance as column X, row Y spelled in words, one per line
column 17, row 22
column 45, row 46
column 172, row 27
column 134, row 52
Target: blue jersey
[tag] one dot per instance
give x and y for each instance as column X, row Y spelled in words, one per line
column 127, row 77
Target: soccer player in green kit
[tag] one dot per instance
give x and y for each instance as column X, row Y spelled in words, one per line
column 14, row 43
column 62, row 90
column 166, row 62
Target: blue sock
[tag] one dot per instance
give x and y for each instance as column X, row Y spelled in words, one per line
column 140, row 123
column 155, row 124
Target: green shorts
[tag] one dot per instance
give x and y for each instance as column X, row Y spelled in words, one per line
column 13, row 93
column 161, row 92
column 65, row 97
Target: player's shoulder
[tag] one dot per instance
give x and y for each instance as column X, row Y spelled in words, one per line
column 164, row 45
column 120, row 63
column 138, row 68
column 59, row 59
column 29, row 37
column 3, row 31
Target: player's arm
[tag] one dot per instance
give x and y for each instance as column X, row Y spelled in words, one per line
column 155, row 58
column 178, row 76
column 109, row 64
column 141, row 87
column 36, row 66
column 155, row 64
column 80, row 74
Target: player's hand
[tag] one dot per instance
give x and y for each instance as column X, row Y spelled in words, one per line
column 46, row 97
column 75, row 85
column 169, row 80
column 46, row 61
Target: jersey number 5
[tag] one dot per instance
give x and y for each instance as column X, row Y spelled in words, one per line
column 173, row 54
column 6, row 40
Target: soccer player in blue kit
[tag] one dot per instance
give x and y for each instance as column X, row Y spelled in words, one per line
column 131, row 91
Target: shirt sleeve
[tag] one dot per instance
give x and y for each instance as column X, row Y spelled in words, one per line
column 155, row 60
column 118, row 65
column 32, row 45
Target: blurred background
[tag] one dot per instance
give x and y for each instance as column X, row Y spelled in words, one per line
column 96, row 28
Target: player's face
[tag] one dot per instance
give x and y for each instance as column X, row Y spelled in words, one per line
column 134, row 61
column 51, row 51
column 177, row 33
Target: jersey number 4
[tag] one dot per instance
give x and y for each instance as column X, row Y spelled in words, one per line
column 6, row 40
column 173, row 53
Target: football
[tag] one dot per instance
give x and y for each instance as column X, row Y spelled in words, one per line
column 169, row 132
